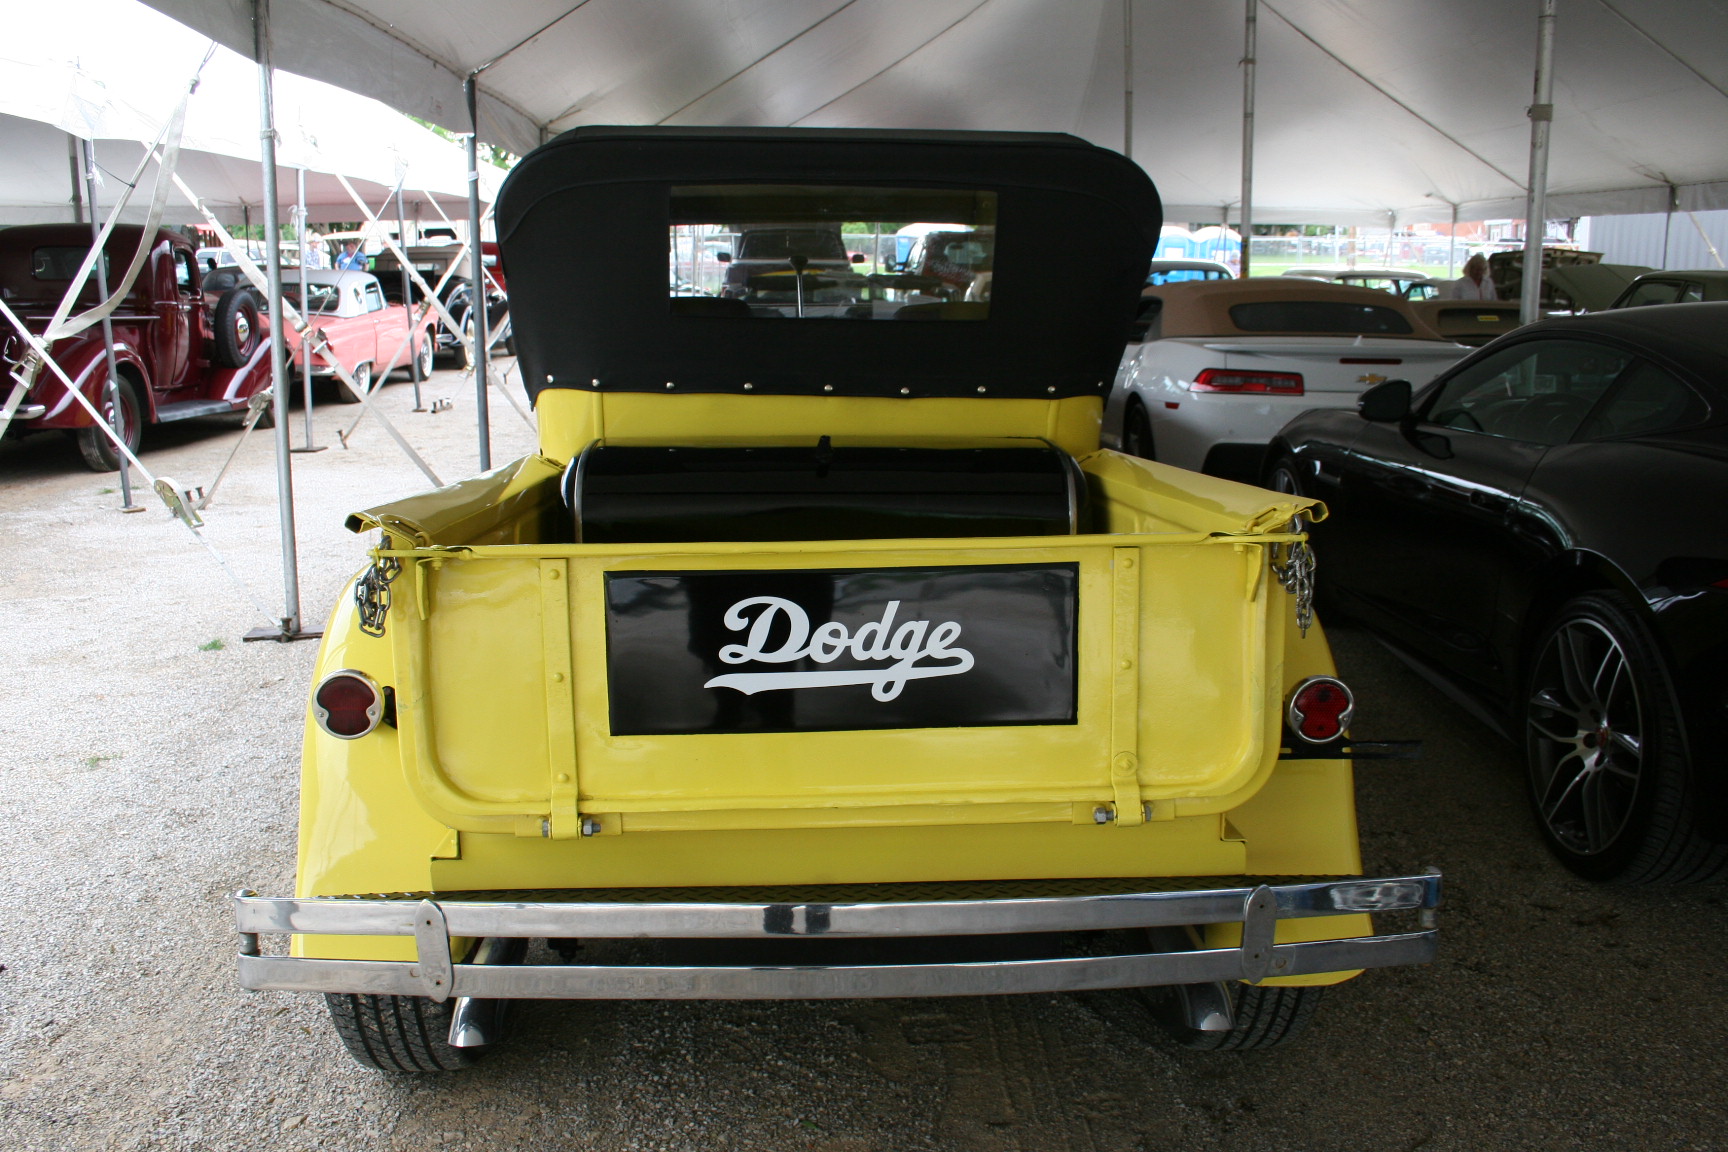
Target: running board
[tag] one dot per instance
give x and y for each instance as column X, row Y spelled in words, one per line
column 187, row 409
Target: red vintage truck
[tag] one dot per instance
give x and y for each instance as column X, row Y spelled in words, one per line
column 178, row 352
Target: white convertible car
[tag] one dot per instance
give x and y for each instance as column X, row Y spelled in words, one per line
column 1226, row 363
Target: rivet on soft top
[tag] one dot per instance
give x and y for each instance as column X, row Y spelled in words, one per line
column 905, row 391
column 980, row 387
column 748, row 387
column 548, row 377
column 1052, row 388
column 827, row 387
column 668, row 383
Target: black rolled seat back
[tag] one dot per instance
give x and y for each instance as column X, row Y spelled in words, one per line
column 630, row 494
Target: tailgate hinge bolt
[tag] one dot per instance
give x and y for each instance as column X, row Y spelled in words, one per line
column 590, row 826
column 1103, row 814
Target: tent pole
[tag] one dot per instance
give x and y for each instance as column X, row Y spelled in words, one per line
column 1128, row 78
column 408, row 299
column 289, row 625
column 305, row 351
column 111, row 390
column 1250, row 33
column 1452, row 247
column 72, row 146
column 478, row 316
column 1541, row 115
column 1668, row 222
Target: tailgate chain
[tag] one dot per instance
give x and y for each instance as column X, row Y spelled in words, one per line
column 372, row 593
column 1296, row 574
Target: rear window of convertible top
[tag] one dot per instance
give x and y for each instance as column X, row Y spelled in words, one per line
column 829, row 252
column 1322, row 317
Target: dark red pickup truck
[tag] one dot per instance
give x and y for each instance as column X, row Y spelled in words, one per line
column 179, row 352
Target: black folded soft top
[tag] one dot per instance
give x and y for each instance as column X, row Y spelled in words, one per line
column 583, row 227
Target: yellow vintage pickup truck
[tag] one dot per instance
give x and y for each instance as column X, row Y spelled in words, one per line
column 820, row 625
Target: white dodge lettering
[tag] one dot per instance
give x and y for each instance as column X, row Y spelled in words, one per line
column 913, row 641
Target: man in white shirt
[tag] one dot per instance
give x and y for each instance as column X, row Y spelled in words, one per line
column 1475, row 284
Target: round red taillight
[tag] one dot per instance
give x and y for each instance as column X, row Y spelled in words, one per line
column 1320, row 709
column 348, row 704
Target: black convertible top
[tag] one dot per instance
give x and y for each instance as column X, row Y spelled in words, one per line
column 583, row 225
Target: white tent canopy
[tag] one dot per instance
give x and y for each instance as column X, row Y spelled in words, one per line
column 1368, row 111
column 112, row 71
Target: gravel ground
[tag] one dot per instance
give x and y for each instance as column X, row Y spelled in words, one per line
column 153, row 771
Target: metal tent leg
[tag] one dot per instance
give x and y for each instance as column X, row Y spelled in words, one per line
column 478, row 312
column 289, row 624
column 1541, row 114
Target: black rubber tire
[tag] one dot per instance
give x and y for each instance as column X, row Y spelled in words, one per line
column 95, row 447
column 342, row 394
column 1137, row 432
column 1642, row 783
column 423, row 355
column 1266, row 1017
column 236, row 326
column 398, row 1033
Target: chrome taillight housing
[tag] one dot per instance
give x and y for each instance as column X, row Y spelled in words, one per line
column 1320, row 709
column 348, row 704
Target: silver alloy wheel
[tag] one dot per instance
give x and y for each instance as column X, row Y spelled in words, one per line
column 1586, row 728
column 242, row 329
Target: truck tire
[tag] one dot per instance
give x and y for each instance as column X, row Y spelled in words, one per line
column 1608, row 771
column 98, row 450
column 235, row 323
column 1266, row 1017
column 398, row 1033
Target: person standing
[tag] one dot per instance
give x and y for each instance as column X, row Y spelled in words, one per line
column 353, row 259
column 1475, row 284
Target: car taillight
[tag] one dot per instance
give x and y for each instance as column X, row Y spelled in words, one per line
column 1230, row 380
column 348, row 704
column 1320, row 709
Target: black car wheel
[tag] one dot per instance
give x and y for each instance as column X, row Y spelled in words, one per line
column 94, row 444
column 236, row 327
column 1137, row 432
column 1285, row 477
column 1266, row 1017
column 1607, row 763
column 398, row 1033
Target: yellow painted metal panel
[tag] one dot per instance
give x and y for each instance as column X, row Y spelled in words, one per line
column 570, row 419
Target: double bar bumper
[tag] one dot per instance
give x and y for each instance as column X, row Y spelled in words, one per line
column 437, row 975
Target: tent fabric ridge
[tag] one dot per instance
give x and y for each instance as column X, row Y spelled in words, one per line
column 1667, row 51
column 883, row 71
column 1354, row 71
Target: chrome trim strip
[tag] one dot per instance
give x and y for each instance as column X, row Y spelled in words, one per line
column 579, row 982
column 385, row 917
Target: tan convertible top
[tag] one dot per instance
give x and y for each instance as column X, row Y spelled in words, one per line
column 1202, row 307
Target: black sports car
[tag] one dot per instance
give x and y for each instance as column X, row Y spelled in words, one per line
column 1544, row 529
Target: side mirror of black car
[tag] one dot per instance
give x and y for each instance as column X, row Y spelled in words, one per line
column 1145, row 315
column 1386, row 403
column 723, row 257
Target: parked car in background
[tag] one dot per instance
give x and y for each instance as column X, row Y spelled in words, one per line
column 1469, row 322
column 1542, row 529
column 1674, row 288
column 1409, row 285
column 431, row 261
column 1180, row 271
column 1227, row 362
column 368, row 334
column 179, row 350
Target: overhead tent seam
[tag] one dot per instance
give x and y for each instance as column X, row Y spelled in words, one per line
column 762, row 59
column 1354, row 71
column 1667, row 51
column 879, row 73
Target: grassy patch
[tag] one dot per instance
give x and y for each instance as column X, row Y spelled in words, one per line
column 215, row 645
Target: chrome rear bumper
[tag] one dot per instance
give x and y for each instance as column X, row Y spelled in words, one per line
column 432, row 923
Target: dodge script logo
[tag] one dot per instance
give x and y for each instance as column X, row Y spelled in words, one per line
column 879, row 640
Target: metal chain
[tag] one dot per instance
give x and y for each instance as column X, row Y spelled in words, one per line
column 1296, row 574
column 372, row 593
